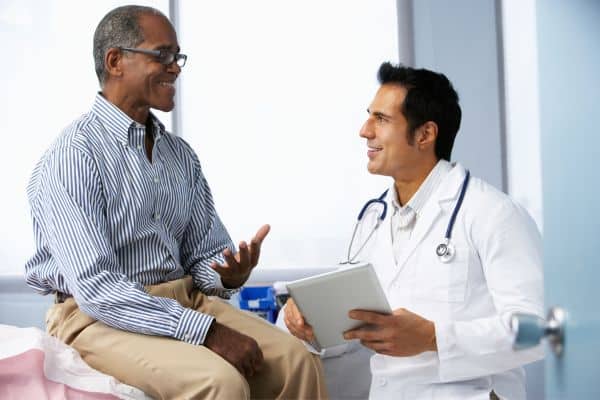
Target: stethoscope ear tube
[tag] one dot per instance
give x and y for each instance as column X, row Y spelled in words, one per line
column 380, row 200
column 350, row 259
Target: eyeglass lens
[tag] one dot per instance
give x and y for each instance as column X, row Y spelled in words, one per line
column 168, row 57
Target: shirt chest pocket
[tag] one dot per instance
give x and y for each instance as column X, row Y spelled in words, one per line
column 442, row 281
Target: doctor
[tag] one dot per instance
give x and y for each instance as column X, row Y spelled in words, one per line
column 449, row 335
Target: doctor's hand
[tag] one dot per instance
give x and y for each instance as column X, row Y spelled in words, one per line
column 237, row 268
column 295, row 322
column 400, row 334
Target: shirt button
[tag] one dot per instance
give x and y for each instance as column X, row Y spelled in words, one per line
column 381, row 381
column 156, row 216
column 187, row 336
column 156, row 179
column 139, row 146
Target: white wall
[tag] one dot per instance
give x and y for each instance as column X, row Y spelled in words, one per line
column 460, row 39
column 488, row 50
column 272, row 99
column 48, row 80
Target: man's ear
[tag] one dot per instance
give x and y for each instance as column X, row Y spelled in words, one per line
column 426, row 135
column 113, row 63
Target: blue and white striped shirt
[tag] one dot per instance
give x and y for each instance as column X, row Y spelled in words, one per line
column 107, row 221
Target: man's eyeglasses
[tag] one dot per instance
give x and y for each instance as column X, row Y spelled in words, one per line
column 164, row 57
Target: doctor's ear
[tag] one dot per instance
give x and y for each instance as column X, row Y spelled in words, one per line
column 426, row 135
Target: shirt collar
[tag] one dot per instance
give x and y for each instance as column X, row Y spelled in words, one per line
column 427, row 188
column 121, row 126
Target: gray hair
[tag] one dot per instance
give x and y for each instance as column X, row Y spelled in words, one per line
column 119, row 28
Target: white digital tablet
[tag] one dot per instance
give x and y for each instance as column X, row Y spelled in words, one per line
column 326, row 299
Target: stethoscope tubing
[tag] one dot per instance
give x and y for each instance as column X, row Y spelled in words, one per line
column 447, row 247
column 461, row 196
column 379, row 200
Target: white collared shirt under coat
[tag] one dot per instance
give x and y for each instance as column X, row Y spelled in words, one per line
column 497, row 270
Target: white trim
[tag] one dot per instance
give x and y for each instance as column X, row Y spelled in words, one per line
column 523, row 153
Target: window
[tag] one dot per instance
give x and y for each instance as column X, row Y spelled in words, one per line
column 271, row 99
column 48, row 80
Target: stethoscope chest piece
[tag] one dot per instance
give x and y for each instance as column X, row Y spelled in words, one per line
column 445, row 252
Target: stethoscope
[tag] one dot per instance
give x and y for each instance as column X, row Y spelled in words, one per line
column 445, row 250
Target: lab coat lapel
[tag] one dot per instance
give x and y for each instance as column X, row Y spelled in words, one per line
column 430, row 213
column 382, row 254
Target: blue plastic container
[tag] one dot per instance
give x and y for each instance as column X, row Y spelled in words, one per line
column 261, row 301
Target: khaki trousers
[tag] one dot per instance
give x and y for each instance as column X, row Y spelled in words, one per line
column 166, row 368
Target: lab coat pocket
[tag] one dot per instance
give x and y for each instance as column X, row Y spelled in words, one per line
column 439, row 281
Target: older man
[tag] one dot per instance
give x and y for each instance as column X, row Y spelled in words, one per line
column 128, row 239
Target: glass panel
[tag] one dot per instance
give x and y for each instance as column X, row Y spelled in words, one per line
column 273, row 96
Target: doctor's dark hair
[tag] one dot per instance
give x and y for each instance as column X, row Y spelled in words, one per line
column 119, row 28
column 430, row 97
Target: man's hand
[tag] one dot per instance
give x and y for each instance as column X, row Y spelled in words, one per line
column 400, row 334
column 295, row 322
column 236, row 270
column 239, row 350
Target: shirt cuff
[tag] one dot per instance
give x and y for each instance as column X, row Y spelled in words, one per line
column 446, row 343
column 193, row 327
column 221, row 290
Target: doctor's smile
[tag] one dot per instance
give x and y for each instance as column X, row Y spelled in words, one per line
column 372, row 151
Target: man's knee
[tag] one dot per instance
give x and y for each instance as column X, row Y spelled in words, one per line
column 300, row 371
column 300, row 359
column 219, row 381
column 225, row 382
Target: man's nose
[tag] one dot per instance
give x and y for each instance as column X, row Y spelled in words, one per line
column 365, row 130
column 174, row 68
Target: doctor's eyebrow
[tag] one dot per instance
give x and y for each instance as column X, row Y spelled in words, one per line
column 379, row 114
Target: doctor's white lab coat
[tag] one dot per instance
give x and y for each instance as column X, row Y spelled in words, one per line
column 497, row 270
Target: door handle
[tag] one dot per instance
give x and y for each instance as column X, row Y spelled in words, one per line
column 530, row 329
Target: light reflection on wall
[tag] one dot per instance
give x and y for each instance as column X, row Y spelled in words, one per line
column 48, row 80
